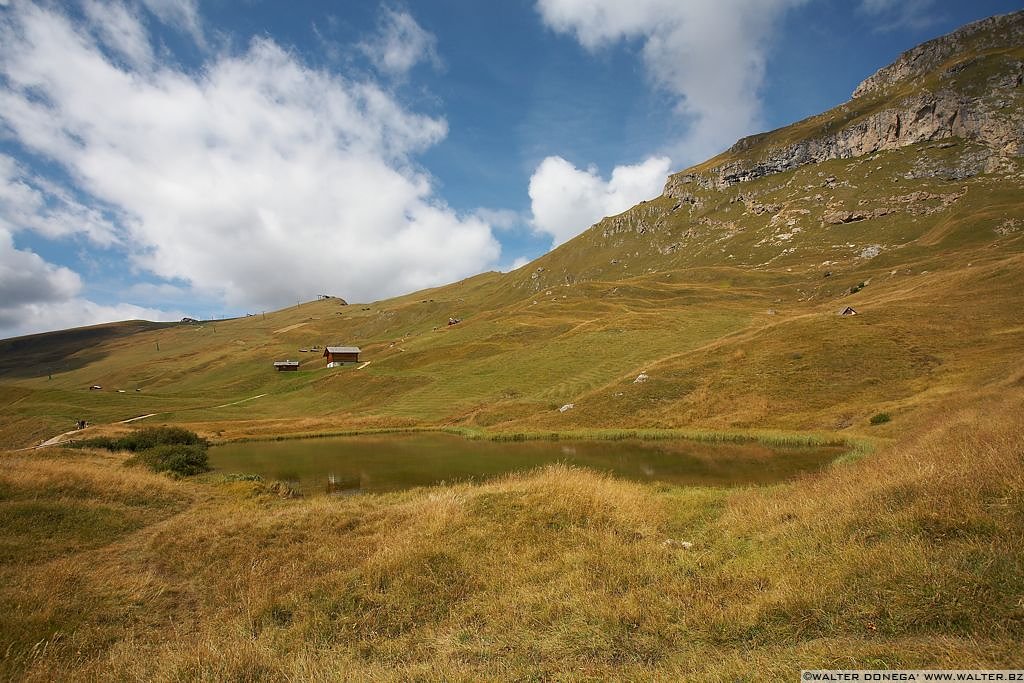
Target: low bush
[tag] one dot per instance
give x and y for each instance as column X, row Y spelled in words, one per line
column 880, row 418
column 162, row 449
column 182, row 459
column 144, row 439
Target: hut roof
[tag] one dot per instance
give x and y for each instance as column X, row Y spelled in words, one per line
column 341, row 349
column 286, row 363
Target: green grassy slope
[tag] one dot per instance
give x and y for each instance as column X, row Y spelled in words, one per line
column 726, row 307
column 726, row 299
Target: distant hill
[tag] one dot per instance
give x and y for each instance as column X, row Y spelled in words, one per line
column 904, row 203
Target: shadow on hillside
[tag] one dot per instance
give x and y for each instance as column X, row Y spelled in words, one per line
column 37, row 355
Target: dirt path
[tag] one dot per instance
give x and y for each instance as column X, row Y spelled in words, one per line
column 52, row 441
column 235, row 403
column 133, row 419
column 289, row 328
column 56, row 440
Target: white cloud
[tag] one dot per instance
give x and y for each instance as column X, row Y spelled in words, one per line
column 401, row 44
column 181, row 14
column 36, row 295
column 516, row 264
column 25, row 278
column 566, row 200
column 28, row 202
column 895, row 14
column 501, row 219
column 709, row 53
column 121, row 31
column 257, row 180
column 40, row 317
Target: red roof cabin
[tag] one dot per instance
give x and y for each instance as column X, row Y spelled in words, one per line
column 341, row 355
column 286, row 365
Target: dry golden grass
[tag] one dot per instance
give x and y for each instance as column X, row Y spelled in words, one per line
column 907, row 558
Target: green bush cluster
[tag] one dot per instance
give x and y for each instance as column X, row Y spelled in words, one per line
column 181, row 459
column 880, row 418
column 144, row 439
column 162, row 449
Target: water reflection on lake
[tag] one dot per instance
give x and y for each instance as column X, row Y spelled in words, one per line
column 391, row 462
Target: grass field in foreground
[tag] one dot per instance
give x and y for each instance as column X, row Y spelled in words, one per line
column 909, row 557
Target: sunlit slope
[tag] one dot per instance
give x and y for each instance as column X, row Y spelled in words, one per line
column 724, row 291
column 736, row 326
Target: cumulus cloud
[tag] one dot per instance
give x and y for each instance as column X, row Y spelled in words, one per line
column 501, row 219
column 39, row 317
column 257, row 180
column 36, row 295
column 566, row 200
column 25, row 278
column 400, row 44
column 710, row 54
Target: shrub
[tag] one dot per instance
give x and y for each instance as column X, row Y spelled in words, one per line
column 163, row 449
column 151, row 437
column 181, row 459
column 144, row 439
column 880, row 418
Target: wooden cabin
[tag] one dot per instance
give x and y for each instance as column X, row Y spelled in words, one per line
column 341, row 355
column 286, row 365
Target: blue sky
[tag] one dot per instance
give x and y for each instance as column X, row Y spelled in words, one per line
column 163, row 158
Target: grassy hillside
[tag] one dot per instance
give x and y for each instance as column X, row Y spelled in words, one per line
column 726, row 305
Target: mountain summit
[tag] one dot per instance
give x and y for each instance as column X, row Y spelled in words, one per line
column 966, row 84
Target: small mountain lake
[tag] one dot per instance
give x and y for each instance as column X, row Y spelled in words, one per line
column 392, row 462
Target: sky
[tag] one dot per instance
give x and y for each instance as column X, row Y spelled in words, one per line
column 212, row 158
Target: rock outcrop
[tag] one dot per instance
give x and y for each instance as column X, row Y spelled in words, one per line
column 995, row 120
column 987, row 34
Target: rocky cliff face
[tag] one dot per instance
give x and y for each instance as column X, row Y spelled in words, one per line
column 978, row 98
column 992, row 33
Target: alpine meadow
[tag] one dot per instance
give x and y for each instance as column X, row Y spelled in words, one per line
column 854, row 280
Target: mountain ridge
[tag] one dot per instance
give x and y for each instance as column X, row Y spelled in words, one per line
column 880, row 116
column 992, row 32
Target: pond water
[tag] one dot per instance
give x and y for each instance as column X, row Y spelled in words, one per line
column 393, row 462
